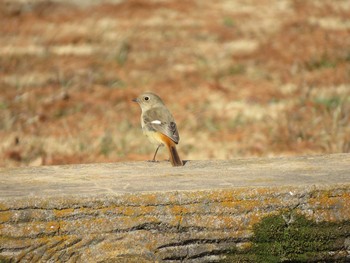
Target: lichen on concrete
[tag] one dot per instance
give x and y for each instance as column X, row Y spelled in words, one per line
column 247, row 210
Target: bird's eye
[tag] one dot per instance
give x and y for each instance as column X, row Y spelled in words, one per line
column 146, row 98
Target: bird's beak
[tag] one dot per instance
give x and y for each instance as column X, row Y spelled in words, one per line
column 134, row 100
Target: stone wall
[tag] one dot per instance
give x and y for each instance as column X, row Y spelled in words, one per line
column 206, row 211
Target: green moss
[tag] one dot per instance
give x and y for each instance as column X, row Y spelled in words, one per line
column 294, row 238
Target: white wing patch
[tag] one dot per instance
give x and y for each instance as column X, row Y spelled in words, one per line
column 156, row 122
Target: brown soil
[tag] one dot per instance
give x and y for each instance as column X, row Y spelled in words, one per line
column 242, row 78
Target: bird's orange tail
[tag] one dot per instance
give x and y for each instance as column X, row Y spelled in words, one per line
column 173, row 154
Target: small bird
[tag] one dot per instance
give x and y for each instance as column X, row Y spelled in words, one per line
column 159, row 126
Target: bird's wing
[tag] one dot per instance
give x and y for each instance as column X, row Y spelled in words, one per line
column 160, row 119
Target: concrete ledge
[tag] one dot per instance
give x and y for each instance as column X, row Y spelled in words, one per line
column 140, row 211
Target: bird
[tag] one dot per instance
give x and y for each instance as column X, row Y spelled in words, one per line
column 159, row 126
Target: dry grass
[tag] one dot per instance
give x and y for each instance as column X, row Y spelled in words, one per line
column 247, row 78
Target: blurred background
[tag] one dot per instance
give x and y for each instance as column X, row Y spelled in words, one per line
column 242, row 77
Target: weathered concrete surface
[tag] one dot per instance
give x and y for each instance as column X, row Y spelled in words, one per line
column 141, row 211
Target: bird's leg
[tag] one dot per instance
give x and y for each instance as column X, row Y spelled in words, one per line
column 155, row 154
